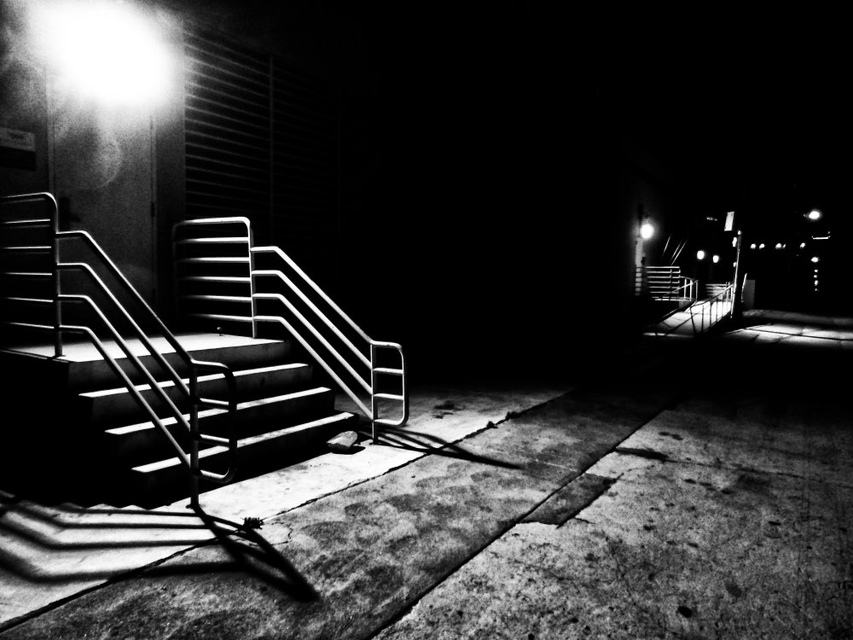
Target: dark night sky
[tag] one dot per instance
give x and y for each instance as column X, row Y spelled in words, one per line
column 756, row 106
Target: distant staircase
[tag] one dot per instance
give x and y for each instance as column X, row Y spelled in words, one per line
column 698, row 318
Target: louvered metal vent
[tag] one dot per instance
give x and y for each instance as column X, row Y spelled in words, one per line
column 263, row 141
column 228, row 127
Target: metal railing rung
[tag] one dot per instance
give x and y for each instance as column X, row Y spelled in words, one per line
column 389, row 396
column 30, row 300
column 223, row 260
column 26, row 222
column 217, row 298
column 215, row 279
column 220, row 316
column 26, row 249
column 26, row 274
column 386, row 370
column 226, row 240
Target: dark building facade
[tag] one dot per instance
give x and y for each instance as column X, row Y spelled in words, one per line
column 466, row 182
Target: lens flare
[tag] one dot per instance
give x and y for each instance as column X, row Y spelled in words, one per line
column 103, row 49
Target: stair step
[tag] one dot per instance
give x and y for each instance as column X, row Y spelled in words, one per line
column 161, row 480
column 115, row 406
column 88, row 371
column 143, row 441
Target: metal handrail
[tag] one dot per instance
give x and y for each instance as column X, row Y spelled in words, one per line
column 372, row 412
column 363, row 383
column 191, row 391
column 690, row 287
column 717, row 308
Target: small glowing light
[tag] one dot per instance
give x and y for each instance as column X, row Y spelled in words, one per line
column 778, row 245
column 734, row 242
column 815, row 259
column 647, row 230
column 700, row 255
column 814, row 214
column 802, row 245
column 761, row 246
column 715, row 259
column 104, row 49
column 752, row 246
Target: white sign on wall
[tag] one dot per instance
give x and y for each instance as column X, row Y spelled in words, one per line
column 17, row 148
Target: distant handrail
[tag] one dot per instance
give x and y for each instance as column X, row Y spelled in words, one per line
column 715, row 308
column 665, row 283
column 190, row 391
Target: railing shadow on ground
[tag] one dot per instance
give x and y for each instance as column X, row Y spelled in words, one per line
column 251, row 553
column 418, row 441
column 247, row 549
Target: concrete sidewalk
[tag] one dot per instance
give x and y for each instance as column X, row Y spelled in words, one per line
column 696, row 489
column 50, row 553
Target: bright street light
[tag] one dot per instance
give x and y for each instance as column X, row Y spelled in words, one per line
column 107, row 50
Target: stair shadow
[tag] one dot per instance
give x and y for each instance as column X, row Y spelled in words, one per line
column 247, row 549
column 427, row 443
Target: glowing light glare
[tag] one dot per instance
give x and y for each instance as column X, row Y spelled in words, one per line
column 715, row 259
column 778, row 245
column 815, row 259
column 700, row 255
column 814, row 214
column 647, row 230
column 105, row 50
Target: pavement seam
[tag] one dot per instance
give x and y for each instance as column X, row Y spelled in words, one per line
column 699, row 463
column 405, row 611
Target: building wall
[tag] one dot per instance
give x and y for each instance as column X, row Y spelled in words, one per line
column 23, row 103
column 496, row 204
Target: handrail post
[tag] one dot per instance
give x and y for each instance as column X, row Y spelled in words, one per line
column 57, row 306
column 374, row 410
column 194, row 438
column 54, row 252
column 253, row 301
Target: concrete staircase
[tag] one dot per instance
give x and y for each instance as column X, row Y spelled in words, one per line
column 104, row 450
